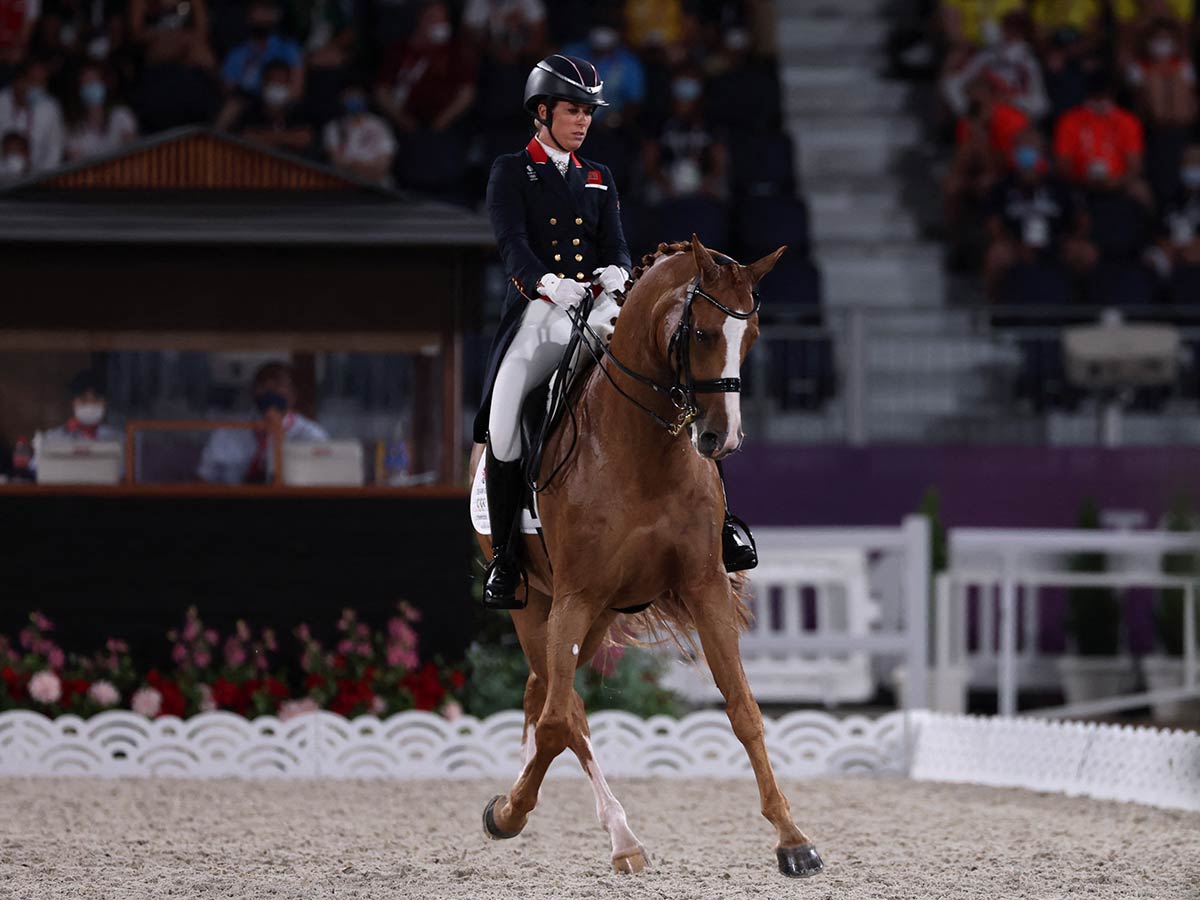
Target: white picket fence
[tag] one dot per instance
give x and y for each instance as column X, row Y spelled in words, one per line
column 828, row 605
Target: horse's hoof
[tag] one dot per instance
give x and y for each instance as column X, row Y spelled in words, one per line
column 799, row 862
column 632, row 863
column 490, row 828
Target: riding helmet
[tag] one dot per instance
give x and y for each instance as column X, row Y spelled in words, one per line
column 563, row 78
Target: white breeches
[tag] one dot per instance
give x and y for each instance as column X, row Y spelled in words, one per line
column 535, row 351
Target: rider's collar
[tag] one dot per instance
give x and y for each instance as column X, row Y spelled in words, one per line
column 545, row 153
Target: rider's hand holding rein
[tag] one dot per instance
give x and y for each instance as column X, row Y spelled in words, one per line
column 612, row 279
column 564, row 293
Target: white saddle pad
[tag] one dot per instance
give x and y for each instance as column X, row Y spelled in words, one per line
column 479, row 506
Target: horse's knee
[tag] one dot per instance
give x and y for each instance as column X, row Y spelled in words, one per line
column 553, row 734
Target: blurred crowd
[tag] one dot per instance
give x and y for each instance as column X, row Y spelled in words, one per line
column 1075, row 170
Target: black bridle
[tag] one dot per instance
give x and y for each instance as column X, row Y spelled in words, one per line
column 682, row 393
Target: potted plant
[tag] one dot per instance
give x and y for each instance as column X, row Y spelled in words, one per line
column 1094, row 667
column 947, row 689
column 1164, row 670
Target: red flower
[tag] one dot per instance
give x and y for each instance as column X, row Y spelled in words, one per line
column 314, row 681
column 277, row 689
column 425, row 686
column 226, row 694
column 457, row 680
column 173, row 703
column 14, row 683
column 73, row 688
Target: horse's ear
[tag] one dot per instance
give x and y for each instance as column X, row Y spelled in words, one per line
column 705, row 264
column 756, row 270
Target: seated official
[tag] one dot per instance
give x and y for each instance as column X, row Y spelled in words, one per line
column 88, row 407
column 243, row 456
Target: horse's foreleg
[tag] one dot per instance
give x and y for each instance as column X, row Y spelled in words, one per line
column 567, row 626
column 717, row 623
column 628, row 854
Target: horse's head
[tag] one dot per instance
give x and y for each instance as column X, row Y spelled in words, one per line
column 721, row 326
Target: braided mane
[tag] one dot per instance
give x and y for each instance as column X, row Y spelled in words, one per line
column 663, row 249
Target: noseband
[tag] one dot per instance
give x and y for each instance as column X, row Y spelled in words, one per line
column 682, row 393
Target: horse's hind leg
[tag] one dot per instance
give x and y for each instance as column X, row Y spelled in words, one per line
column 717, row 623
column 628, row 854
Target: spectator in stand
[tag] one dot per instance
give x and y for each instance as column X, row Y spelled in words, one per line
column 1075, row 24
column 360, row 141
column 1011, row 66
column 619, row 68
column 96, row 123
column 1034, row 216
column 242, row 456
column 514, row 30
column 1178, row 253
column 655, row 23
column 28, row 108
column 1164, row 85
column 743, row 89
column 17, row 21
column 175, row 86
column 687, row 157
column 14, row 156
column 326, row 30
column 1134, row 17
column 243, row 70
column 276, row 117
column 1101, row 145
column 428, row 81
column 970, row 24
column 984, row 141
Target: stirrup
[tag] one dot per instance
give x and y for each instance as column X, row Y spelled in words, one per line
column 510, row 601
column 737, row 554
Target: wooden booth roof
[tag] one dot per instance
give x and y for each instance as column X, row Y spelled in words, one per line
column 197, row 185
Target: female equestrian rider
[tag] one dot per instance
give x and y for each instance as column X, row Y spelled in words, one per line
column 556, row 218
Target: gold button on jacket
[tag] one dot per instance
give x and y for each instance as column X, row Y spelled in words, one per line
column 554, row 221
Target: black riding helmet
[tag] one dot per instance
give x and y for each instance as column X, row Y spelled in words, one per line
column 561, row 77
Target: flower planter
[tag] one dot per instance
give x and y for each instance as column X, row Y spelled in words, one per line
column 945, row 691
column 1163, row 673
column 1087, row 678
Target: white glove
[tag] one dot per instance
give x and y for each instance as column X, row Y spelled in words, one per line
column 612, row 279
column 604, row 319
column 564, row 293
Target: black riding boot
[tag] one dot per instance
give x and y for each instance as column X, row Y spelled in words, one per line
column 738, row 554
column 505, row 485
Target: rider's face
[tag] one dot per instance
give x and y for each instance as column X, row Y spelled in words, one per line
column 570, row 124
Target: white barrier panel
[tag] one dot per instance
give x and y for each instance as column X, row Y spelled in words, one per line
column 422, row 745
column 1107, row 762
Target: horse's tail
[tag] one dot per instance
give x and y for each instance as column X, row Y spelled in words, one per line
column 669, row 621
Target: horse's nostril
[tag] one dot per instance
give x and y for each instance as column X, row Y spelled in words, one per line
column 709, row 442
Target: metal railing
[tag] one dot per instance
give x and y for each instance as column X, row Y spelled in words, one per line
column 866, row 374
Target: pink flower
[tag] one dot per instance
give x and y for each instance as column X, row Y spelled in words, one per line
column 202, row 658
column 345, row 647
column 191, row 629
column 179, row 654
column 104, row 694
column 243, row 630
column 147, row 701
column 400, row 630
column 116, row 646
column 207, row 704
column 40, row 622
column 452, row 710
column 409, row 613
column 261, row 662
column 26, row 638
column 289, row 709
column 269, row 641
column 362, row 630
column 303, row 632
column 235, row 653
column 44, row 687
column 378, row 705
column 363, row 649
column 56, row 657
column 210, row 635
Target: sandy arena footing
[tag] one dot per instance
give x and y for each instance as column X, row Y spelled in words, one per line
column 881, row 838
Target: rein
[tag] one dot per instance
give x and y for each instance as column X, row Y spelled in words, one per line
column 682, row 393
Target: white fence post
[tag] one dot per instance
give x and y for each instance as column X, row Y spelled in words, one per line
column 1008, row 639
column 916, row 600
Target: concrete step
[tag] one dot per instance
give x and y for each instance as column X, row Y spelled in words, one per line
column 869, row 196
column 887, row 275
column 935, row 355
column 831, row 9
column 860, row 223
column 837, row 88
column 811, row 32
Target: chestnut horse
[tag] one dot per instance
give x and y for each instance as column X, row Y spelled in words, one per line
column 635, row 515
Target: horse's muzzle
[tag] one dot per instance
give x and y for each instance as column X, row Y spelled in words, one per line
column 717, row 444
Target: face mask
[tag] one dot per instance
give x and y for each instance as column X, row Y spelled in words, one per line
column 439, row 33
column 603, row 39
column 92, row 93
column 1027, row 158
column 89, row 414
column 737, row 40
column 1190, row 177
column 14, row 164
column 354, row 104
column 1162, row 47
column 97, row 48
column 34, row 94
column 686, row 89
column 269, row 400
column 277, row 95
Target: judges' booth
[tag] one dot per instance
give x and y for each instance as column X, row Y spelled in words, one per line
column 173, row 272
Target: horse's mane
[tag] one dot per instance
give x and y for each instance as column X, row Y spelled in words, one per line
column 663, row 249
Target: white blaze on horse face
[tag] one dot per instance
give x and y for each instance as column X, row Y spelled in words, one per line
column 734, row 331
